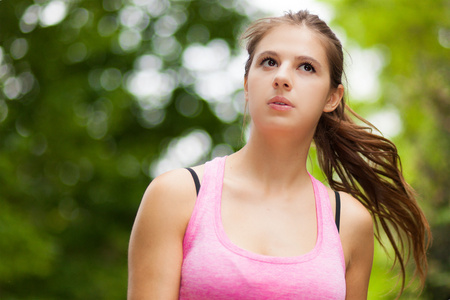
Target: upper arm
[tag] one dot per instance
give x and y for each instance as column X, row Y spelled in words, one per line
column 358, row 242
column 156, row 244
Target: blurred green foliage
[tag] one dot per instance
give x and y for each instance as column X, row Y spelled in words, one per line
column 80, row 136
column 75, row 145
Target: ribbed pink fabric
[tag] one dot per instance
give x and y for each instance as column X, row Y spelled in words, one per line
column 215, row 268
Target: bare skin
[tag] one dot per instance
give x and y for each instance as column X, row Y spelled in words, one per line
column 279, row 189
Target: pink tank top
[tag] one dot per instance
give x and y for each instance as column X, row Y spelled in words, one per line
column 215, row 268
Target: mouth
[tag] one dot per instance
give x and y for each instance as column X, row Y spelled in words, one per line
column 280, row 101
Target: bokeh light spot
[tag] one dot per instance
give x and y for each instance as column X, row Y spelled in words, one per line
column 133, row 17
column 12, row 87
column 129, row 40
column 148, row 83
column 363, row 73
column 112, row 5
column 97, row 125
column 213, row 56
column 197, row 33
column 27, row 80
column 30, row 18
column 39, row 144
column 94, row 79
column 168, row 47
column 128, row 166
column 188, row 106
column 107, row 25
column 76, row 52
column 148, row 61
column 31, row 14
column 80, row 17
column 166, row 26
column 154, row 7
column 53, row 13
column 149, row 118
column 69, row 173
column 21, row 127
column 225, row 111
column 19, row 48
column 221, row 150
column 444, row 37
column 111, row 79
column 388, row 121
column 182, row 152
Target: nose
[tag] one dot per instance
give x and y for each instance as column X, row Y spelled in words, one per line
column 282, row 80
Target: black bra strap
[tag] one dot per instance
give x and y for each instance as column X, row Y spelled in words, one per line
column 338, row 209
column 338, row 198
column 195, row 177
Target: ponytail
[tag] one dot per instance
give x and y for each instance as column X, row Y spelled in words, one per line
column 369, row 169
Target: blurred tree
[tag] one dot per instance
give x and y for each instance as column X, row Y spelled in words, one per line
column 415, row 43
column 93, row 94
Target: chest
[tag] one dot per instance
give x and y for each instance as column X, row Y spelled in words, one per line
column 274, row 225
column 254, row 249
column 238, row 277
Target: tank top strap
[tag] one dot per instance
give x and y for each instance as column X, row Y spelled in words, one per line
column 330, row 232
column 209, row 194
column 213, row 175
column 321, row 195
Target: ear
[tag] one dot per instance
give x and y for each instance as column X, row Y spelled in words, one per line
column 334, row 99
column 245, row 89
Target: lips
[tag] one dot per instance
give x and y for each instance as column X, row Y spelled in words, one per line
column 280, row 103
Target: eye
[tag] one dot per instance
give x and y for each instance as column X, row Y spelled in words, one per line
column 268, row 62
column 307, row 67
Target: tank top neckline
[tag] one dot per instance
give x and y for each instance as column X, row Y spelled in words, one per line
column 227, row 243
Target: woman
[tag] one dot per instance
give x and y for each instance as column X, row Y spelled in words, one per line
column 261, row 227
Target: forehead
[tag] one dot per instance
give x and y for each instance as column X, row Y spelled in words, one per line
column 296, row 40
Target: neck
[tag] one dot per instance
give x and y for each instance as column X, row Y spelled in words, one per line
column 276, row 160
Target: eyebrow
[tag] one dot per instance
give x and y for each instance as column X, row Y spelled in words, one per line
column 300, row 57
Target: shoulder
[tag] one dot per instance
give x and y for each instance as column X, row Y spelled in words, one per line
column 357, row 239
column 163, row 185
column 354, row 213
column 356, row 228
column 155, row 248
column 175, row 185
column 171, row 197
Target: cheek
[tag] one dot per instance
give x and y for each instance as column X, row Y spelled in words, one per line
column 252, row 107
column 319, row 93
column 255, row 107
column 253, row 90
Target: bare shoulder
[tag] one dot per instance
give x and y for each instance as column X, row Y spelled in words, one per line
column 166, row 182
column 357, row 239
column 171, row 197
column 356, row 231
column 171, row 194
column 155, row 249
column 355, row 214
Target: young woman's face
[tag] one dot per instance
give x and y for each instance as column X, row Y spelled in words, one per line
column 288, row 84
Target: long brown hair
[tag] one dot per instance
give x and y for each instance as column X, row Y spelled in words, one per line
column 367, row 164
